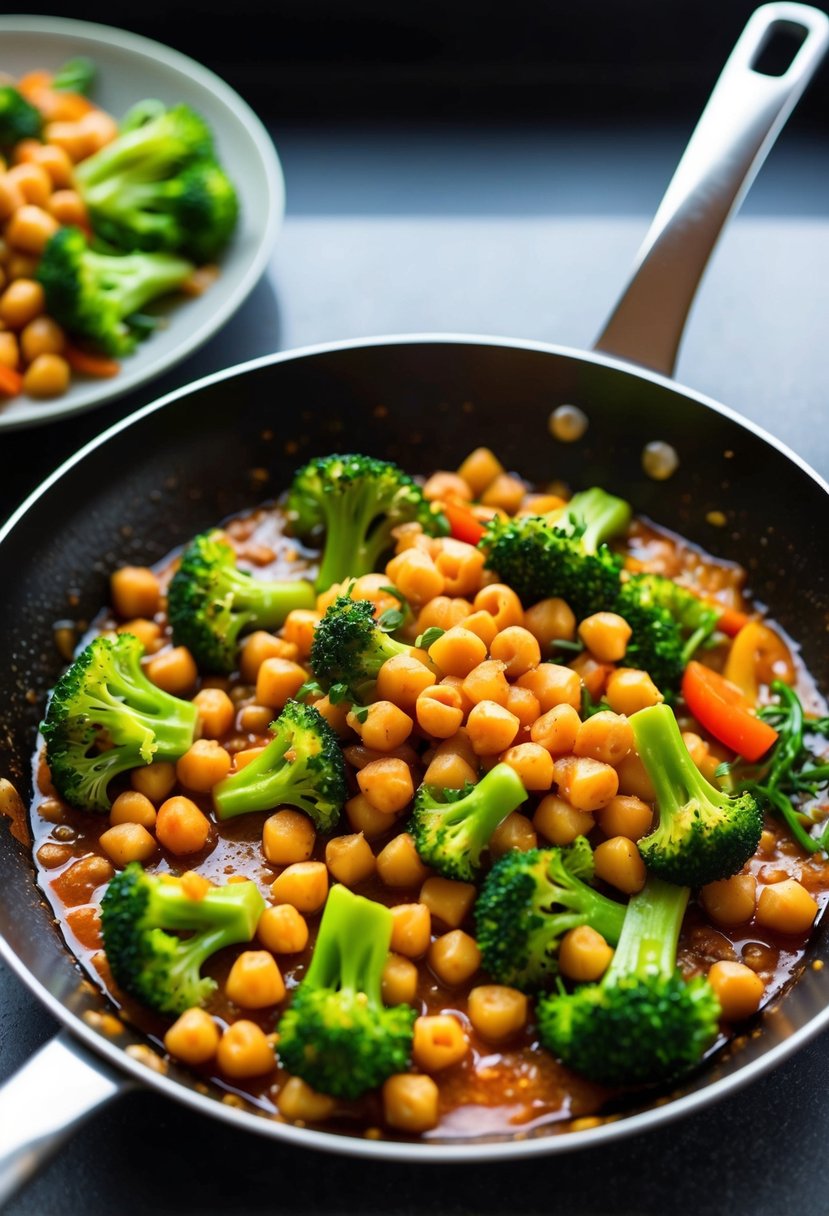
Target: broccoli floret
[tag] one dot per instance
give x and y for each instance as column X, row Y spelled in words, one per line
column 349, row 647
column 352, row 504
column 302, row 766
column 643, row 1023
column 337, row 1035
column 563, row 553
column 156, row 147
column 451, row 828
column 93, row 295
column 527, row 903
column 139, row 914
column 105, row 716
column 211, row 602
column 76, row 75
column 669, row 623
column 19, row 119
column 193, row 213
column 703, row 834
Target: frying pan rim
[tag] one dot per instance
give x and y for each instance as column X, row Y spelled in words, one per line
column 348, row 1145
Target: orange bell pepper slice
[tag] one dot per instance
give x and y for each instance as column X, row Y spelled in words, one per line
column 725, row 712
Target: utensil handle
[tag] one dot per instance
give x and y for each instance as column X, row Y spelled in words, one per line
column 43, row 1103
column 743, row 116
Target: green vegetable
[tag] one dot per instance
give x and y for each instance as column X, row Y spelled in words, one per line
column 211, row 602
column 351, row 505
column 528, row 901
column 105, row 717
column 669, row 624
column 19, row 119
column 643, row 1024
column 337, row 1034
column 77, row 75
column 302, row 766
column 93, row 295
column 140, row 914
column 349, row 647
column 703, row 834
column 563, row 553
column 451, row 828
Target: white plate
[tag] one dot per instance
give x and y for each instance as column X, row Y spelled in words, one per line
column 130, row 68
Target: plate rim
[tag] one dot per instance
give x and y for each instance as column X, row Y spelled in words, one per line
column 98, row 395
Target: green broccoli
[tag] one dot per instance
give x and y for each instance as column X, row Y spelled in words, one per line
column 451, row 828
column 77, row 75
column 192, row 213
column 643, row 1023
column 105, row 716
column 563, row 553
column 702, row 834
column 94, row 295
column 352, row 504
column 349, row 647
column 528, row 901
column 302, row 766
column 211, row 602
column 164, row 141
column 337, row 1035
column 140, row 911
column 669, row 624
column 19, row 119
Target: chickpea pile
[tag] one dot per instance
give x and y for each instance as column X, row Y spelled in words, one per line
column 488, row 689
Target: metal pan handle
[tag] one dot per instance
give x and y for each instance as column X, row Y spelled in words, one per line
column 45, row 1101
column 746, row 111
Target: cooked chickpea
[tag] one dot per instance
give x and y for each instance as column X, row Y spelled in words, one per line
column 454, row 957
column 244, row 1051
column 460, row 565
column 586, row 784
column 730, row 901
column 350, row 859
column 193, row 1038
column 479, row 470
column 448, row 900
column 443, row 612
column 303, row 884
column 786, row 907
column 491, row 728
column 411, row 930
column 550, row 620
column 30, row 228
column 42, row 336
column 517, row 648
column 174, row 670
column 626, row 815
column 277, row 680
column 57, row 165
column 181, row 827
column 483, row 625
column 68, row 208
column 257, row 647
column 155, row 781
column 617, row 862
column 387, row 784
column 402, row 679
column 738, row 989
column 298, row 629
column 147, row 632
column 126, row 842
column 439, row 1042
column 584, row 955
column 410, row 1102
column 46, row 376
column 629, row 690
column 606, row 635
column 216, row 712
column 497, row 1012
column 416, row 576
column 533, row 764
column 557, row 730
column 514, row 832
column 553, row 685
column 255, row 981
column 33, row 181
column 399, row 982
column 282, row 929
column 9, row 344
column 559, row 822
column 365, row 818
column 135, row 592
column 382, row 725
column 634, row 778
column 439, row 711
column 133, row 807
column 605, row 736
column 299, row 1103
column 399, row 864
column 203, row 765
column 524, row 704
column 486, row 682
column 457, row 651
column 11, row 196
column 501, row 602
column 288, row 836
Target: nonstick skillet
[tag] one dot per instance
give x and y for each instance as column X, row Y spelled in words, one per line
column 151, row 481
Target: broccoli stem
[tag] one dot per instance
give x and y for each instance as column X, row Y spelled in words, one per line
column 676, row 779
column 347, row 538
column 351, row 952
column 600, row 514
column 648, row 942
column 136, row 278
column 266, row 779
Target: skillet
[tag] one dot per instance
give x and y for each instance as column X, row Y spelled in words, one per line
column 153, row 480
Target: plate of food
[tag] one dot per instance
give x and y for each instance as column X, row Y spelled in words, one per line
column 118, row 147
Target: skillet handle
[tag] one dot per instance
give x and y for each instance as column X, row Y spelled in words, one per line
column 45, row 1101
column 744, row 114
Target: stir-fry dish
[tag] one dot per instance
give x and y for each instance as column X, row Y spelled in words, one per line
column 435, row 806
column 100, row 218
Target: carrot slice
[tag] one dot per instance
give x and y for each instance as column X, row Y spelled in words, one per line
column 463, row 523
column 11, row 381
column 726, row 712
column 91, row 365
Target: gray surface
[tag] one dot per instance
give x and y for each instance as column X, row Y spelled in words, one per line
column 757, row 341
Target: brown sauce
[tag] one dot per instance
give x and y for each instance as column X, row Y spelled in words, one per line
column 512, row 1090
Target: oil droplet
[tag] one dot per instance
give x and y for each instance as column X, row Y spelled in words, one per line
column 717, row 519
column 659, row 460
column 568, row 423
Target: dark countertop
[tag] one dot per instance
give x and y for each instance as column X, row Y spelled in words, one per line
column 519, row 236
